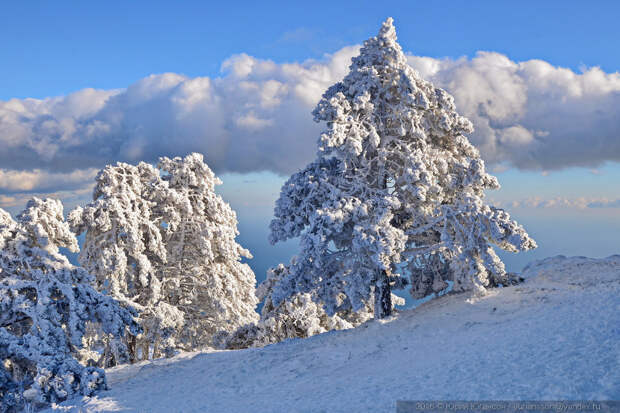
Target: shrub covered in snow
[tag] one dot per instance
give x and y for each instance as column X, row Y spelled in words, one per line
column 45, row 306
column 161, row 240
column 296, row 317
column 396, row 188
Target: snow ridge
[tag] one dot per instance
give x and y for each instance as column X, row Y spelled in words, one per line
column 555, row 336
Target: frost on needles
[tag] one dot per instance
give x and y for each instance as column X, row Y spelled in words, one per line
column 296, row 317
column 46, row 306
column 162, row 241
column 396, row 189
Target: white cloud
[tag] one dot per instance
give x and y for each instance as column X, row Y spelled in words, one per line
column 15, row 203
column 557, row 202
column 605, row 203
column 253, row 123
column 36, row 179
column 532, row 115
column 257, row 116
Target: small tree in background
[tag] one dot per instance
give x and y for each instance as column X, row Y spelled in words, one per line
column 45, row 306
column 162, row 241
column 395, row 185
column 296, row 317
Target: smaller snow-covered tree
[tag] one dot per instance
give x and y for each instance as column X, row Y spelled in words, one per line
column 204, row 276
column 45, row 305
column 296, row 317
column 161, row 240
column 124, row 249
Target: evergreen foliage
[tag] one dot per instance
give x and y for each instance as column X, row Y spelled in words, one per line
column 396, row 189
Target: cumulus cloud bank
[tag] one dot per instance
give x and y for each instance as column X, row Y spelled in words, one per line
column 532, row 115
column 256, row 116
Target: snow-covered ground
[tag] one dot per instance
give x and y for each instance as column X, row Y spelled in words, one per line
column 556, row 336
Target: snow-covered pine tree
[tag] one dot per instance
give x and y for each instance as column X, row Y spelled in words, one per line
column 162, row 241
column 124, row 249
column 45, row 305
column 203, row 277
column 296, row 317
column 395, row 185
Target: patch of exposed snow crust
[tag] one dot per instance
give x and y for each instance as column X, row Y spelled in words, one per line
column 555, row 336
column 574, row 270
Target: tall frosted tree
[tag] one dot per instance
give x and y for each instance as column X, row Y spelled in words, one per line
column 124, row 249
column 46, row 304
column 204, row 276
column 160, row 240
column 396, row 188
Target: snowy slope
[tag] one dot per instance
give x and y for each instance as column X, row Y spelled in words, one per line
column 556, row 336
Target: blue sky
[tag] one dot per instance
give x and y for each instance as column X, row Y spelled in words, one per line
column 244, row 76
column 54, row 48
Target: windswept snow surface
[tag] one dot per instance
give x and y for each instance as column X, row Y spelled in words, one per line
column 556, row 336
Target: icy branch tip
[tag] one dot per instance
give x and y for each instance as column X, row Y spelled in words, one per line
column 387, row 29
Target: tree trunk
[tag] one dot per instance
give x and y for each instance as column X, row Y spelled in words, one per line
column 132, row 348
column 383, row 296
column 383, row 292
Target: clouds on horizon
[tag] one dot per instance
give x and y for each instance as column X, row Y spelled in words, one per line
column 16, row 202
column 557, row 203
column 37, row 179
column 605, row 203
column 256, row 116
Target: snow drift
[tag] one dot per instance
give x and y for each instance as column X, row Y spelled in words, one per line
column 555, row 336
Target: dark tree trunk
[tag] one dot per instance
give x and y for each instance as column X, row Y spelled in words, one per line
column 383, row 296
column 132, row 348
column 383, row 292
